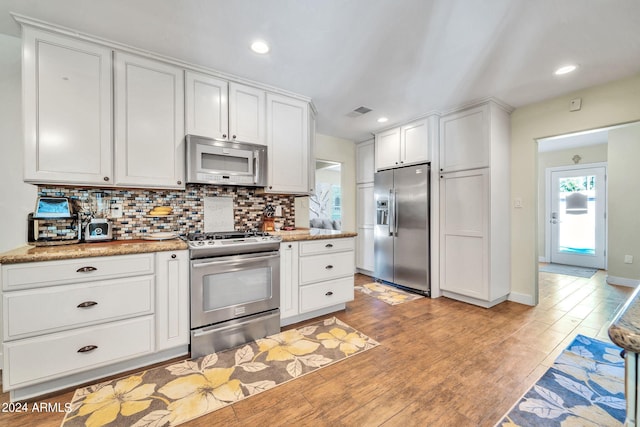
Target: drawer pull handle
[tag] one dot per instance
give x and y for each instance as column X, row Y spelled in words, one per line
column 87, row 348
column 329, row 267
column 87, row 304
column 86, row 269
column 328, row 245
column 329, row 293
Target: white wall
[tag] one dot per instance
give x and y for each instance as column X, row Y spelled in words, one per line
column 17, row 199
column 550, row 159
column 342, row 151
column 604, row 105
column 624, row 203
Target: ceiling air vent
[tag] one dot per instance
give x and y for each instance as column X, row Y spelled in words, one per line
column 359, row 112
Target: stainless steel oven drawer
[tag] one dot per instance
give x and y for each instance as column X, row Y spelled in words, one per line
column 233, row 333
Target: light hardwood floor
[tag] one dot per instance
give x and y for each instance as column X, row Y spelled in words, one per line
column 440, row 362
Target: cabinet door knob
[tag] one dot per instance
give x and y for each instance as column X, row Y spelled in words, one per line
column 328, row 245
column 87, row 348
column 329, row 267
column 233, row 137
column 179, row 182
column 329, row 293
column 86, row 269
column 270, row 187
column 290, row 246
column 106, row 178
column 87, row 304
column 224, row 135
column 174, row 256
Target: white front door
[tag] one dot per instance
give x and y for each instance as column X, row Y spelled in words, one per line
column 578, row 215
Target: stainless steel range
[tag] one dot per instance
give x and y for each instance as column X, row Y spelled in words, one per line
column 235, row 289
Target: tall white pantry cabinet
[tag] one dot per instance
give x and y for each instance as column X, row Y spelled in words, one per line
column 365, row 169
column 474, row 204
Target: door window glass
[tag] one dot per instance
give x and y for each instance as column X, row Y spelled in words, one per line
column 236, row 287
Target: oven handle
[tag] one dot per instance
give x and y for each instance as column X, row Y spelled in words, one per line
column 239, row 258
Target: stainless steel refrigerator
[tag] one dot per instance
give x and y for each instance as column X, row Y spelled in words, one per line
column 402, row 227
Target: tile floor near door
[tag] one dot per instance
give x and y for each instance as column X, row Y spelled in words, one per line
column 440, row 362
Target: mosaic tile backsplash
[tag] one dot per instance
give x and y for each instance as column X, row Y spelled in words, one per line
column 187, row 205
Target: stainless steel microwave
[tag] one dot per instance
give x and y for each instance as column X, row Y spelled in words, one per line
column 212, row 161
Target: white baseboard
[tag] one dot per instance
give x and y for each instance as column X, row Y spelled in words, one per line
column 622, row 281
column 542, row 259
column 521, row 298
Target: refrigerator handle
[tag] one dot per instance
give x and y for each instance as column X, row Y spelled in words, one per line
column 392, row 212
column 395, row 213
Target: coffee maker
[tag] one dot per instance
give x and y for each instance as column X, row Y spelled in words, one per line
column 99, row 228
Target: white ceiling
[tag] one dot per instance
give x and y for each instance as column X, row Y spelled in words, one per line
column 402, row 58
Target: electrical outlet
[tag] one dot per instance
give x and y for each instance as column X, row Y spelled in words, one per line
column 517, row 202
column 628, row 259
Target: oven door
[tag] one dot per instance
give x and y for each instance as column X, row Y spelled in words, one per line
column 231, row 287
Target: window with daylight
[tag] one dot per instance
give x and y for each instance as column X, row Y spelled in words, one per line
column 325, row 206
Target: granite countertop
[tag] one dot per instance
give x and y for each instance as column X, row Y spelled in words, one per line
column 312, row 234
column 625, row 327
column 84, row 250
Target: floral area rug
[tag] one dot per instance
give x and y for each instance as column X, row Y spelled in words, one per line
column 171, row 395
column 388, row 294
column 585, row 387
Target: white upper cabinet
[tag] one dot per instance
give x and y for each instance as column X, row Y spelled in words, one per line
column 402, row 146
column 246, row 114
column 388, row 149
column 365, row 168
column 414, row 142
column 149, row 123
column 465, row 139
column 219, row 109
column 288, row 145
column 67, row 110
column 206, row 105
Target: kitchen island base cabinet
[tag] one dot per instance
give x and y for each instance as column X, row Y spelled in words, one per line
column 316, row 278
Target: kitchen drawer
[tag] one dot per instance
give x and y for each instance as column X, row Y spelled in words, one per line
column 325, row 294
column 36, row 311
column 34, row 360
column 324, row 267
column 48, row 273
column 313, row 247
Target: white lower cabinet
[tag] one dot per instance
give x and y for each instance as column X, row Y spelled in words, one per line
column 172, row 299
column 50, row 356
column 326, row 293
column 316, row 278
column 288, row 279
column 69, row 321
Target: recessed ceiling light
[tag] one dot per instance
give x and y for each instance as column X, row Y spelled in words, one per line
column 383, row 120
column 565, row 70
column 260, row 46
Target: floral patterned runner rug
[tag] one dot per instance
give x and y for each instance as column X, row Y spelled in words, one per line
column 171, row 395
column 585, row 387
column 388, row 294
